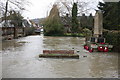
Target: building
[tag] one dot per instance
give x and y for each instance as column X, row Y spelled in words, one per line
column 84, row 22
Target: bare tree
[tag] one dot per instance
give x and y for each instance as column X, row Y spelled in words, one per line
column 8, row 5
column 13, row 5
column 1, row 9
column 65, row 6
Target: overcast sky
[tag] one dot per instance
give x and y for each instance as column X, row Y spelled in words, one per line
column 39, row 8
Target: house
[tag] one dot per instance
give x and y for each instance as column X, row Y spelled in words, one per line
column 7, row 23
column 66, row 22
column 84, row 22
column 26, row 23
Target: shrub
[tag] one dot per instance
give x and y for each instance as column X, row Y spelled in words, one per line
column 113, row 37
column 87, row 32
column 52, row 24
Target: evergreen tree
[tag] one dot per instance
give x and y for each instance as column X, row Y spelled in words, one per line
column 52, row 24
column 75, row 24
column 111, row 11
column 16, row 18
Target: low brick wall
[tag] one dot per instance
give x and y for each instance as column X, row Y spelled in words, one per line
column 58, row 51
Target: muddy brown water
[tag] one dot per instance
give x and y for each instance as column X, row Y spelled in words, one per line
column 20, row 59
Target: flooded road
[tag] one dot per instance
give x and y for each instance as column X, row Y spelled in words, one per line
column 20, row 59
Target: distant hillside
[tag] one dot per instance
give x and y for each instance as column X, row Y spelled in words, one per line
column 38, row 20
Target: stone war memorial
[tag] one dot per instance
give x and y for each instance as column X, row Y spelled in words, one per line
column 98, row 24
column 97, row 41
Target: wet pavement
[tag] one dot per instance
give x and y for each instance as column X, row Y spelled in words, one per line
column 20, row 59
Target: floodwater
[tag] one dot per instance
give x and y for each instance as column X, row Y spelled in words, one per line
column 20, row 59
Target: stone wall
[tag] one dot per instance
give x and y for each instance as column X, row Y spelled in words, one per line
column 11, row 32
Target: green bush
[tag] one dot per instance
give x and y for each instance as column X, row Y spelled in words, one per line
column 53, row 27
column 87, row 32
column 113, row 37
column 74, row 35
column 52, row 24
